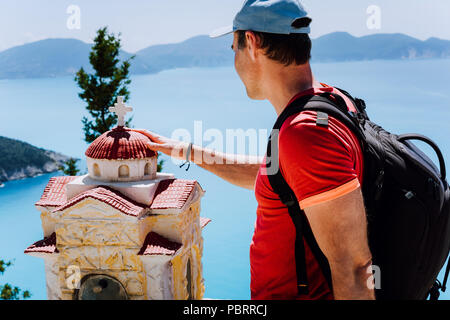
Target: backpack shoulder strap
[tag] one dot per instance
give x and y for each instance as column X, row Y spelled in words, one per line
column 359, row 104
column 285, row 193
column 324, row 106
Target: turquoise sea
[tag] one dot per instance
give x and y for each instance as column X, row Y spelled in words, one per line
column 402, row 96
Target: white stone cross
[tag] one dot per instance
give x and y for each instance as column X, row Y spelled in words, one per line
column 120, row 109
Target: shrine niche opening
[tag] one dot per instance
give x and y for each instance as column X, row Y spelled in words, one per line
column 101, row 287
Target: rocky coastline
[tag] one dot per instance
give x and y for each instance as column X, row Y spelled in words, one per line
column 49, row 161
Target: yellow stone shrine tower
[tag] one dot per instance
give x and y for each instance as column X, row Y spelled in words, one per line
column 123, row 231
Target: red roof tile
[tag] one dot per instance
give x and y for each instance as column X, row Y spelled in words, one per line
column 47, row 245
column 204, row 222
column 156, row 244
column 109, row 196
column 120, row 143
column 172, row 194
column 55, row 192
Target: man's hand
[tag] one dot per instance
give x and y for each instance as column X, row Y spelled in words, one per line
column 239, row 170
column 170, row 147
column 340, row 229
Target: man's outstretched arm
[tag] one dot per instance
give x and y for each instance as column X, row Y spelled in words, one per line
column 340, row 229
column 239, row 170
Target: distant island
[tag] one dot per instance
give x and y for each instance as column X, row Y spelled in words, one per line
column 20, row 160
column 63, row 57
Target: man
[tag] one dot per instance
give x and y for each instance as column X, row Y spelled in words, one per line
column 323, row 165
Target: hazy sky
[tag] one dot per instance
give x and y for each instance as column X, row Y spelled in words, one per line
column 146, row 22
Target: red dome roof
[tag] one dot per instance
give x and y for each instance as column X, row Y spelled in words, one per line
column 120, row 143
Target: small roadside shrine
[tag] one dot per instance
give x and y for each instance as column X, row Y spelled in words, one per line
column 123, row 231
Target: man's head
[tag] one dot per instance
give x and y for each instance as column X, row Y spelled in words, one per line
column 256, row 51
column 269, row 35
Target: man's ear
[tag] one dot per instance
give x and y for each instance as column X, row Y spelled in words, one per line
column 253, row 44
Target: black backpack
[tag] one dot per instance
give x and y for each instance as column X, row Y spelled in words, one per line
column 407, row 202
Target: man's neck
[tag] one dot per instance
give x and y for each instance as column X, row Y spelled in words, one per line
column 282, row 84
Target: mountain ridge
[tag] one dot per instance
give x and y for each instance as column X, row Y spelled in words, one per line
column 57, row 57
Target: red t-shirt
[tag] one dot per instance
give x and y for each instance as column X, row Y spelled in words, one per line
column 319, row 164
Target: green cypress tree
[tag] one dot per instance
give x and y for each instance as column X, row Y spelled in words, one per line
column 69, row 167
column 101, row 89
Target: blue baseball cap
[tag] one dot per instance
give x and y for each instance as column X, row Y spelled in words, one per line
column 271, row 16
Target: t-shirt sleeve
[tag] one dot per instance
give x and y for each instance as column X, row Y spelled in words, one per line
column 316, row 162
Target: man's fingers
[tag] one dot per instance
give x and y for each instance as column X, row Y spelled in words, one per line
column 156, row 146
column 151, row 135
column 159, row 144
column 144, row 132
